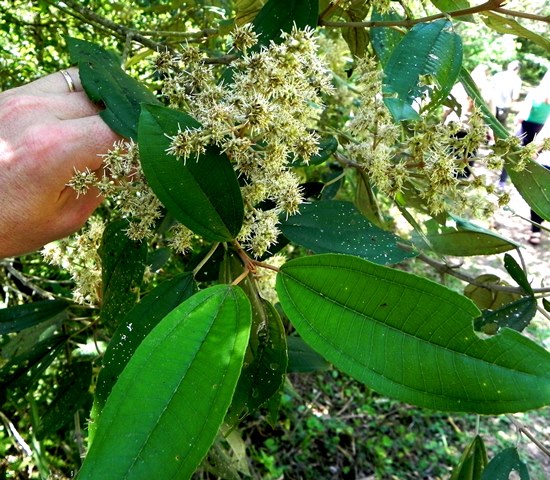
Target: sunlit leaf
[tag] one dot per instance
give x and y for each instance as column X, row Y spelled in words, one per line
column 139, row 321
column 246, row 10
column 509, row 26
column 410, row 338
column 165, row 410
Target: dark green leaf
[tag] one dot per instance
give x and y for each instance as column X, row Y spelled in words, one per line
column 18, row 318
column 546, row 304
column 123, row 264
column 517, row 273
column 24, row 369
column 335, row 226
column 472, row 462
column 204, row 194
column 266, row 357
column 72, row 394
column 168, row 403
column 327, row 146
column 428, row 50
column 515, row 315
column 265, row 364
column 278, row 16
column 141, row 319
column 384, row 39
column 302, row 358
column 503, row 464
column 409, row 338
column 104, row 81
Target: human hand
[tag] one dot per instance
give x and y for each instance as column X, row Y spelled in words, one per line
column 46, row 132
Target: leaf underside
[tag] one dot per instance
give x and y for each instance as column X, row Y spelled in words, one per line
column 410, row 338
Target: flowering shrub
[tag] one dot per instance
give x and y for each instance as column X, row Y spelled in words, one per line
column 246, row 230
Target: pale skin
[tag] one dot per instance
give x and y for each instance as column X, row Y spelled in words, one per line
column 46, row 132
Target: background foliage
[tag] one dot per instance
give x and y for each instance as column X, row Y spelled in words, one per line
column 293, row 415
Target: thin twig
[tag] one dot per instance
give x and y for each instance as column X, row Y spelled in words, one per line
column 444, row 268
column 121, row 31
column 206, row 258
column 20, row 441
column 25, row 281
column 523, row 429
column 529, row 16
column 484, row 7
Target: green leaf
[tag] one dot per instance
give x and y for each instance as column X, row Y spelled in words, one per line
column 104, row 81
column 15, row 319
column 472, row 462
column 428, row 50
column 473, row 92
column 204, row 195
column 265, row 364
column 24, row 369
column 266, row 358
column 515, row 315
column 165, row 410
column 302, row 358
column 508, row 26
column 327, row 146
column 466, row 239
column 123, row 264
column 338, row 227
column 533, row 183
column 384, row 39
column 278, row 16
column 517, row 273
column 409, row 338
column 141, row 319
column 503, row 464
column 71, row 395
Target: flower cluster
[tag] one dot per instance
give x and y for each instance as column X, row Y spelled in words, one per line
column 79, row 256
column 122, row 182
column 260, row 116
column 430, row 160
